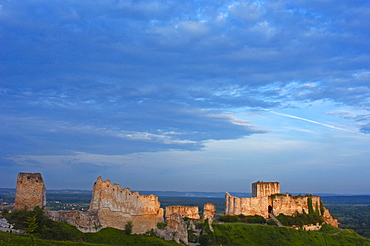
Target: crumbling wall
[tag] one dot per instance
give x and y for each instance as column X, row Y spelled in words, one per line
column 277, row 204
column 176, row 229
column 115, row 207
column 260, row 189
column 30, row 191
column 288, row 205
column 209, row 210
column 83, row 221
column 246, row 206
column 191, row 212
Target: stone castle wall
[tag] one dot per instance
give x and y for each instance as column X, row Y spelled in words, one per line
column 191, row 212
column 266, row 198
column 115, row 207
column 209, row 211
column 260, row 189
column 288, row 205
column 30, row 191
column 246, row 206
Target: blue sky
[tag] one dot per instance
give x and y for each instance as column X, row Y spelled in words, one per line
column 187, row 95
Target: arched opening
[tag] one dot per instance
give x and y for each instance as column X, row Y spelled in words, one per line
column 270, row 210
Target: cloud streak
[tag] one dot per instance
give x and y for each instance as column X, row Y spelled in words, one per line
column 311, row 121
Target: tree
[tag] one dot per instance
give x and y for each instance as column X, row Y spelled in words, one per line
column 31, row 223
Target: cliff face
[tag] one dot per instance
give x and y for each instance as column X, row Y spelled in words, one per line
column 191, row 212
column 30, row 191
column 115, row 207
column 329, row 218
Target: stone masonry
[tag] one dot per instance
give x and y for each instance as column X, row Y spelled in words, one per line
column 30, row 191
column 267, row 199
column 260, row 189
column 191, row 212
column 115, row 207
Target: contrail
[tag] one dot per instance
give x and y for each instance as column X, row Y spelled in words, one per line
column 311, row 121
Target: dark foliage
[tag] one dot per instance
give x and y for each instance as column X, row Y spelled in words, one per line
column 255, row 219
column 300, row 219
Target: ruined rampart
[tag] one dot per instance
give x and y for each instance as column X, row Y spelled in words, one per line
column 115, row 207
column 288, row 205
column 246, row 206
column 262, row 204
column 209, row 211
column 191, row 212
column 83, row 221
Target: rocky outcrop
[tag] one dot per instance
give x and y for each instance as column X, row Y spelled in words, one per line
column 191, row 212
column 30, row 191
column 5, row 226
column 329, row 219
column 83, row 221
column 209, row 211
column 115, row 207
column 176, row 229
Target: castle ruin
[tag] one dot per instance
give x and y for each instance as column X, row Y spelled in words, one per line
column 115, row 207
column 266, row 200
column 112, row 206
column 191, row 212
column 30, row 191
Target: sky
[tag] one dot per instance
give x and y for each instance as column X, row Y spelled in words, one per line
column 186, row 95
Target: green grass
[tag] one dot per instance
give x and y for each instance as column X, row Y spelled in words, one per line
column 11, row 239
column 246, row 234
column 107, row 236
column 113, row 236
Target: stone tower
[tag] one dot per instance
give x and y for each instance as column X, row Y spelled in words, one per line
column 31, row 191
column 260, row 189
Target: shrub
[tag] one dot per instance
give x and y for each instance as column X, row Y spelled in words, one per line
column 161, row 225
column 228, row 218
column 128, row 228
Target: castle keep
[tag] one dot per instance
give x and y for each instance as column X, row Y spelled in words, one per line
column 30, row 191
column 266, row 200
column 260, row 189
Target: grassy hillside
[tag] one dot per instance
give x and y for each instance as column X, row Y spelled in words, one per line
column 107, row 236
column 225, row 234
column 248, row 234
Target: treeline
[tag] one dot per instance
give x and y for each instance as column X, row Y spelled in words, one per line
column 356, row 217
